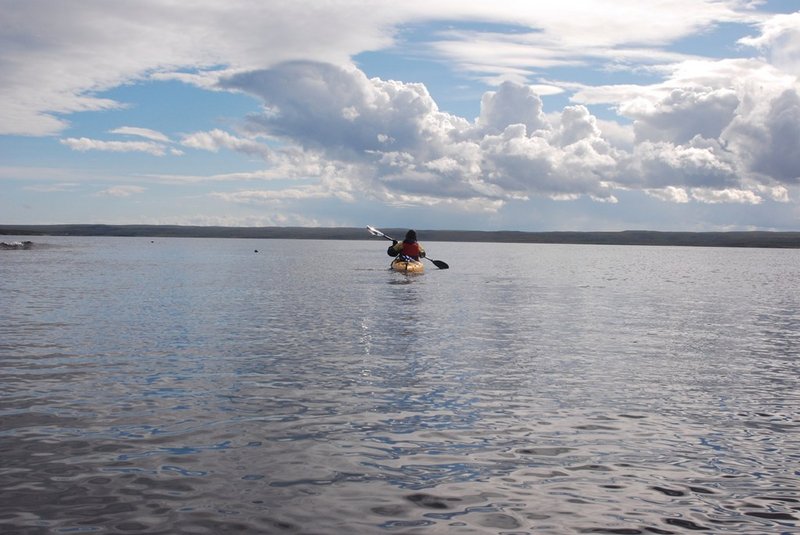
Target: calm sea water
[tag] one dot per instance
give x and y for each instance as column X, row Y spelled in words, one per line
column 196, row 386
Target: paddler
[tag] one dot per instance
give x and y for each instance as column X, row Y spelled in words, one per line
column 409, row 247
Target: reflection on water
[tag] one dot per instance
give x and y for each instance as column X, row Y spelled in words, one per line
column 191, row 386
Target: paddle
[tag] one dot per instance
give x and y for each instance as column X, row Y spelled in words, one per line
column 375, row 232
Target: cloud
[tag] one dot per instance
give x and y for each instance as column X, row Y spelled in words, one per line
column 576, row 124
column 52, row 188
column 55, row 174
column 498, row 57
column 776, row 193
column 510, row 165
column 512, row 104
column 713, row 131
column 57, row 59
column 581, row 34
column 159, row 145
column 771, row 143
column 269, row 196
column 84, row 144
column 394, row 142
column 705, row 195
column 726, row 196
column 262, row 175
column 330, row 187
column 141, row 132
column 120, row 191
column 662, row 164
column 217, row 139
column 277, row 219
column 684, row 113
column 669, row 194
column 337, row 107
column 390, row 138
column 725, row 124
column 706, row 131
column 780, row 39
column 478, row 205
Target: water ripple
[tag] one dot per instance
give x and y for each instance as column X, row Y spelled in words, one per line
column 156, row 388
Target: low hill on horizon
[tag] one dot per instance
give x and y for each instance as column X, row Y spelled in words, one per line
column 626, row 237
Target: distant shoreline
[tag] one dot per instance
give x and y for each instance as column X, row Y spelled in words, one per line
column 764, row 239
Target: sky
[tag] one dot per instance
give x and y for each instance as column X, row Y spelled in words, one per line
column 439, row 114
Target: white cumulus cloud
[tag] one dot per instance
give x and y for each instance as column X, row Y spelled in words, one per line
column 780, row 40
column 514, row 150
column 726, row 196
column 217, row 139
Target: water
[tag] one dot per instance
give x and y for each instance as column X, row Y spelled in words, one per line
column 196, row 386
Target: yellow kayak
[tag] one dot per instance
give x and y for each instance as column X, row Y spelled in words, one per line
column 408, row 266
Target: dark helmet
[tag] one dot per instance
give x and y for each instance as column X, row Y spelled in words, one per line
column 411, row 236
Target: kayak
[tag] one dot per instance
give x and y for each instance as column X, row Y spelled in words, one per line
column 408, row 266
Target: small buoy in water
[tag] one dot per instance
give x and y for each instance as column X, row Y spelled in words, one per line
column 256, row 250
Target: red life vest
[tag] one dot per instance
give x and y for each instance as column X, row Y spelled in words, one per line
column 410, row 249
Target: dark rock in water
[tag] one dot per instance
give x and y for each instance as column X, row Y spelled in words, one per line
column 16, row 244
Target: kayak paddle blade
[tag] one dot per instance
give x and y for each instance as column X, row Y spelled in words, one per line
column 376, row 232
column 440, row 264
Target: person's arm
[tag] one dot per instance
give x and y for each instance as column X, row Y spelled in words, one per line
column 394, row 248
column 421, row 251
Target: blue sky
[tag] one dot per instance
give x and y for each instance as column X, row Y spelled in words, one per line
column 570, row 115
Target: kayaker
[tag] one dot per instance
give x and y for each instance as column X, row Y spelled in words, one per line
column 408, row 247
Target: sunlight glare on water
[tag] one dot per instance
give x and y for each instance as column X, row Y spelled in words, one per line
column 196, row 386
